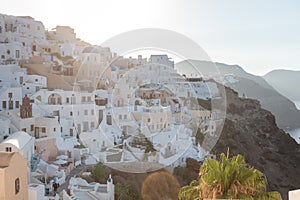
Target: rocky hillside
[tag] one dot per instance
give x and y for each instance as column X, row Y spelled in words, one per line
column 252, row 131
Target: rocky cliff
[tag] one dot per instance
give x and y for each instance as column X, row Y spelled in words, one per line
column 252, row 131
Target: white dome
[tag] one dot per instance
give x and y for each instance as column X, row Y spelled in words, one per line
column 18, row 139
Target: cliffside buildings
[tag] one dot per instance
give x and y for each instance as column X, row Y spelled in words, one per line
column 76, row 103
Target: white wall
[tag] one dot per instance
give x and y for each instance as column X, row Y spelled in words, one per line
column 4, row 124
column 12, row 75
column 36, row 192
column 294, row 194
column 83, row 112
column 16, row 98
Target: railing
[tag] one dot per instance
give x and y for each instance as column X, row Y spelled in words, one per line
column 35, row 160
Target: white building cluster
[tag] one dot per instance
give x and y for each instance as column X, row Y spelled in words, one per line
column 119, row 111
column 17, row 37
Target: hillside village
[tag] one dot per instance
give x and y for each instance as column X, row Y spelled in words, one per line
column 65, row 104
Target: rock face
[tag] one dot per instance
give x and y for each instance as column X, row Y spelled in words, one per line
column 251, row 131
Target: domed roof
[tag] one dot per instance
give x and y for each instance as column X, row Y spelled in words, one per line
column 91, row 49
column 19, row 139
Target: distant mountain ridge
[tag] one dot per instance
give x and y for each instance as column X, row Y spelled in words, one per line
column 248, row 85
column 286, row 82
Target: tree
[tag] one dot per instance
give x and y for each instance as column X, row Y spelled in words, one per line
column 99, row 174
column 229, row 178
column 125, row 192
column 160, row 185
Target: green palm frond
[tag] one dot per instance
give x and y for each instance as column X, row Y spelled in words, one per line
column 229, row 178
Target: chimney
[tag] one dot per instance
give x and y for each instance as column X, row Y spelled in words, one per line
column 109, row 183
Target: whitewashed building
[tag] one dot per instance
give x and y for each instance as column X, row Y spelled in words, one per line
column 12, row 75
column 19, row 36
column 80, row 189
column 11, row 53
column 19, row 142
column 10, row 98
column 163, row 60
column 94, row 69
column 75, row 111
column 5, row 127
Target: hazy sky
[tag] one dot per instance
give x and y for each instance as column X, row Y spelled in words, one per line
column 258, row 35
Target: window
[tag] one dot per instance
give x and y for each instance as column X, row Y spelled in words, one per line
column 73, row 100
column 17, row 104
column 8, row 149
column 85, row 126
column 31, row 127
column 125, row 117
column 68, row 100
column 17, row 185
column 2, row 56
column 83, row 99
column 3, row 104
column 24, row 129
column 17, row 53
column 71, row 113
column 54, row 129
column 85, row 112
column 89, row 99
column 149, row 120
column 9, row 95
column 120, row 117
column 92, row 112
column 8, row 51
column 92, row 124
column 43, row 130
